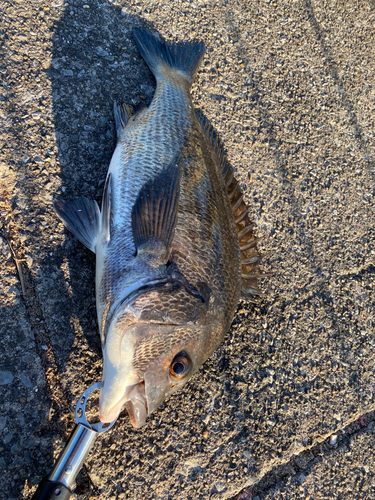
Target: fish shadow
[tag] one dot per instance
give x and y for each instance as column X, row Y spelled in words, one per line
column 95, row 63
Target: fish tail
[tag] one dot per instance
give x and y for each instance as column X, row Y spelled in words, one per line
column 183, row 57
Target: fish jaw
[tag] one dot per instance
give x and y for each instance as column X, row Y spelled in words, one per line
column 118, row 376
column 123, row 387
column 135, row 403
column 140, row 390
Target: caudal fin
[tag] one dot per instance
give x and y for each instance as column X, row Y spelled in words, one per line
column 184, row 57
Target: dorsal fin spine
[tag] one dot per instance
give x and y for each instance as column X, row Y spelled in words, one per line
column 248, row 247
column 238, row 203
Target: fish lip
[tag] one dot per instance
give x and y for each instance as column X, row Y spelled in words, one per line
column 134, row 401
column 136, row 405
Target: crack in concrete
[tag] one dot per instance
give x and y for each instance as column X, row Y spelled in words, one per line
column 61, row 419
column 34, row 310
column 302, row 461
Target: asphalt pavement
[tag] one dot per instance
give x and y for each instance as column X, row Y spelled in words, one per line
column 284, row 408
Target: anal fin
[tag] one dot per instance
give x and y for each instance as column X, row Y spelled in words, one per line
column 82, row 217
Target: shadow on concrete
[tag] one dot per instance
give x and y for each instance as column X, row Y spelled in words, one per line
column 95, row 62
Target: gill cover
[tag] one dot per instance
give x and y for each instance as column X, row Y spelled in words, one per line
column 137, row 366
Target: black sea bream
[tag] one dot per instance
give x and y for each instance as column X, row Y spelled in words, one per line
column 173, row 241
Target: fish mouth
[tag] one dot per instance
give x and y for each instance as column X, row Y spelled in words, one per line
column 136, row 405
column 135, row 402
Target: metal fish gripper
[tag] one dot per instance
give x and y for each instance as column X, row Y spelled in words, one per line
column 58, row 485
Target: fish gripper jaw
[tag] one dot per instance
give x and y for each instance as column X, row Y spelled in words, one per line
column 59, row 483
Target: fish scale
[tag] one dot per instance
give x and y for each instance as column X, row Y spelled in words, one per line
column 174, row 242
column 138, row 157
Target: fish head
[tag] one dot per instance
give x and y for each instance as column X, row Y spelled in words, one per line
column 145, row 363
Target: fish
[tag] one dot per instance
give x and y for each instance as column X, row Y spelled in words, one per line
column 174, row 242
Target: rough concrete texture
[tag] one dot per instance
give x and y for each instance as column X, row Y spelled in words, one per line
column 22, row 384
column 321, row 476
column 290, row 88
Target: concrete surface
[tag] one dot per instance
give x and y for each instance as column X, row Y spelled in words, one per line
column 290, row 88
column 320, row 475
column 24, row 404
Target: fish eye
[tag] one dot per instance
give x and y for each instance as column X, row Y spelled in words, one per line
column 180, row 366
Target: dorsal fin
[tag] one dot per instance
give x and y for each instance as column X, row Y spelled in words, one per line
column 248, row 241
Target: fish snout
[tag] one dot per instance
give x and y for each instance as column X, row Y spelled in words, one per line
column 111, row 402
column 108, row 416
column 134, row 400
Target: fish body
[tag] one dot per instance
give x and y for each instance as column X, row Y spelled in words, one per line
column 169, row 254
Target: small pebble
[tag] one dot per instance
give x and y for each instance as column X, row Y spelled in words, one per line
column 5, row 378
column 219, row 486
column 333, row 439
column 25, row 380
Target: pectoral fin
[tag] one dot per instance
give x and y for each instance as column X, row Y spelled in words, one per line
column 154, row 214
column 82, row 217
